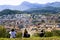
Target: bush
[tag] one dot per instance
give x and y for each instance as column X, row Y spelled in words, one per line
column 2, row 31
column 7, row 35
column 48, row 34
column 36, row 35
column 56, row 32
column 53, row 33
column 19, row 35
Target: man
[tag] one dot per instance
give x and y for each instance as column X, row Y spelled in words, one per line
column 12, row 33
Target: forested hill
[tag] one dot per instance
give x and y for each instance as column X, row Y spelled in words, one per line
column 48, row 10
column 8, row 11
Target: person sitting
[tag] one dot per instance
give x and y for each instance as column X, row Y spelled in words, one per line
column 42, row 33
column 12, row 33
column 26, row 33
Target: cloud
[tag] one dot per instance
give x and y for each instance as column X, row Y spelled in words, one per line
column 18, row 2
column 10, row 2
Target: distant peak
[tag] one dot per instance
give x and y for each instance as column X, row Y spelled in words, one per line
column 25, row 2
column 56, row 2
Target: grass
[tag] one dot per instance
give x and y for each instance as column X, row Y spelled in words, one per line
column 42, row 38
column 33, row 38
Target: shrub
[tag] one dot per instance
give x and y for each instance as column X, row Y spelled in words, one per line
column 56, row 32
column 7, row 35
column 2, row 31
column 19, row 35
column 48, row 34
column 36, row 35
column 53, row 33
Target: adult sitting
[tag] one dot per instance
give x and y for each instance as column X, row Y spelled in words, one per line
column 42, row 33
column 26, row 33
column 12, row 33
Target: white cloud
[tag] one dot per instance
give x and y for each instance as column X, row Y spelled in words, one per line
column 17, row 2
column 10, row 2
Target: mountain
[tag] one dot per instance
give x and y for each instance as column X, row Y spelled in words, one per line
column 23, row 6
column 54, row 4
column 46, row 8
column 28, row 6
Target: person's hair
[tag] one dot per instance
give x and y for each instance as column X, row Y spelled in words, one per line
column 25, row 31
column 12, row 30
column 41, row 30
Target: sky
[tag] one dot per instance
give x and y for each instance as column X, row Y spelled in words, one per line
column 18, row 2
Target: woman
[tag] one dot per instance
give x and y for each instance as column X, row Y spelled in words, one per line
column 26, row 33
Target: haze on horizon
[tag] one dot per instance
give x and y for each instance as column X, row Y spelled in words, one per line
column 18, row 2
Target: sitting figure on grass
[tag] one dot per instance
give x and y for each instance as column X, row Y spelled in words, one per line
column 12, row 33
column 26, row 34
column 42, row 33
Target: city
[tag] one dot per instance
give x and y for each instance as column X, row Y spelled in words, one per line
column 30, row 22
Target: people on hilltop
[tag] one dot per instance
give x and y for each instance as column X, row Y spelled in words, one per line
column 12, row 33
column 25, row 34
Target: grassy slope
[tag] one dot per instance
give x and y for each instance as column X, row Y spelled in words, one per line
column 43, row 38
column 34, row 38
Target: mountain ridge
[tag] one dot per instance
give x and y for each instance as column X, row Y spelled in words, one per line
column 26, row 5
